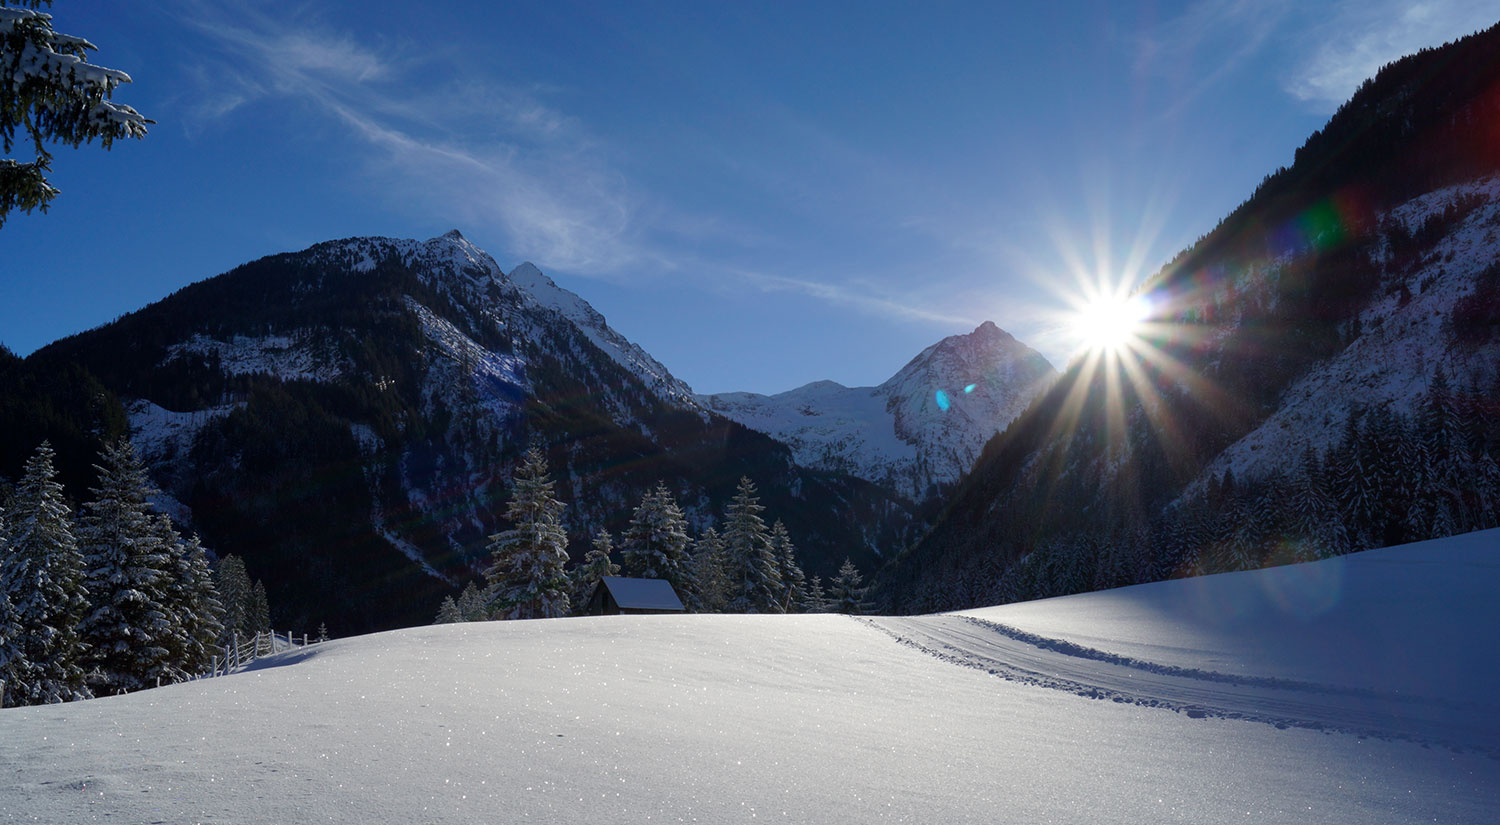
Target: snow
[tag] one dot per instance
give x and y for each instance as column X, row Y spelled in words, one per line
column 821, row 718
column 289, row 357
column 454, row 264
column 828, row 426
column 158, row 432
column 500, row 379
column 1416, row 620
column 591, row 323
column 924, row 425
column 1391, row 362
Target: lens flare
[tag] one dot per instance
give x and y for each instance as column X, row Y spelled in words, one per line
column 969, row 388
column 942, row 400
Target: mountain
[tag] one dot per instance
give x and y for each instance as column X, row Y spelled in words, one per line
column 914, row 434
column 345, row 418
column 1319, row 374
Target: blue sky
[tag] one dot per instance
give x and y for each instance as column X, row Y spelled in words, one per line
column 761, row 195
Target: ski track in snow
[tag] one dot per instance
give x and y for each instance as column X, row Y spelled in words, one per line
column 1018, row 656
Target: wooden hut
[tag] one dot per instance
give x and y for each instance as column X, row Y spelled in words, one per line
column 617, row 595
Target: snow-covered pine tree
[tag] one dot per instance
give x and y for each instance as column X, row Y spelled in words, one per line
column 42, row 572
column 1486, row 488
column 14, row 669
column 1440, row 497
column 448, row 612
column 322, row 631
column 845, row 592
column 526, row 576
column 710, row 566
column 260, row 608
column 235, row 592
column 1313, row 517
column 754, row 573
column 794, row 597
column 596, row 565
column 655, row 545
column 1353, row 484
column 473, row 604
column 817, row 600
column 195, row 601
column 48, row 88
column 130, row 630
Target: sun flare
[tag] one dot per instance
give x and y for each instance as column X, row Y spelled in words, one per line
column 1110, row 322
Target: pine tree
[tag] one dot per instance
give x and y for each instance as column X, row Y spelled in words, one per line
column 14, row 669
column 655, row 545
column 42, row 573
column 195, row 600
column 235, row 594
column 710, row 566
column 596, row 565
column 1486, row 492
column 322, row 631
column 755, row 576
column 845, row 592
column 473, row 604
column 1353, row 485
column 260, row 609
column 131, row 628
column 448, row 612
column 817, row 600
column 794, row 597
column 526, row 576
column 1313, row 516
column 176, row 600
column 48, row 87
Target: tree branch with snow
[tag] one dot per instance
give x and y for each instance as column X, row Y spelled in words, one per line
column 50, row 92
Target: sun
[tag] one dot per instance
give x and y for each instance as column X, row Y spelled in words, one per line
column 1109, row 323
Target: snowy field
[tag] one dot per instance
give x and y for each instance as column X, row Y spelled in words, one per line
column 1358, row 690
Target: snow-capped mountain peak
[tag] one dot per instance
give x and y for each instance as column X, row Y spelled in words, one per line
column 922, row 427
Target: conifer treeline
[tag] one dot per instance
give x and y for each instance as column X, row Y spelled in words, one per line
column 1390, row 479
column 748, row 568
column 113, row 601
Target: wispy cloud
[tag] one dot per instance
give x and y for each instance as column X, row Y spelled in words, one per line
column 487, row 152
column 863, row 296
column 1359, row 37
column 432, row 137
column 1207, row 42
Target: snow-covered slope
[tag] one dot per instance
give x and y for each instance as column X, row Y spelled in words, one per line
column 824, row 719
column 459, row 268
column 1405, row 336
column 592, row 324
column 1414, row 621
column 924, row 426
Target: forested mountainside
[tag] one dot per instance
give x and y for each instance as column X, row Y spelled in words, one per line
column 66, row 405
column 346, row 419
column 917, row 433
column 1319, row 374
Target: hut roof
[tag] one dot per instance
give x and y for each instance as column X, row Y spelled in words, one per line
column 642, row 594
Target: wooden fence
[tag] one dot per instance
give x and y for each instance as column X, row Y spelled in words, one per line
column 242, row 651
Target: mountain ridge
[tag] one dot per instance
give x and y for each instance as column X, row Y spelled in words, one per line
column 915, row 433
column 346, row 418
